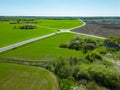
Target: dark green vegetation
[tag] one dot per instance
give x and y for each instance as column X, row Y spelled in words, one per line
column 28, row 27
column 93, row 72
column 17, row 77
column 80, row 72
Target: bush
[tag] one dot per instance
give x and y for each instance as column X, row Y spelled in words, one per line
column 102, row 76
column 62, row 69
column 92, row 56
column 63, row 46
column 88, row 46
column 94, row 86
column 66, row 84
column 106, row 77
column 74, row 45
column 28, row 27
column 101, row 50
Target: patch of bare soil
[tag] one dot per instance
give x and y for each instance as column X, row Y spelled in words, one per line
column 103, row 30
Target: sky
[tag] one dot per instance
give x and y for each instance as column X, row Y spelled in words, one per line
column 59, row 7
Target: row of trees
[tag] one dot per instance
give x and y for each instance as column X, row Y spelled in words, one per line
column 25, row 27
column 28, row 27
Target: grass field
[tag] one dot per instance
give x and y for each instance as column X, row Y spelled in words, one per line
column 21, row 77
column 8, row 35
column 46, row 49
column 60, row 24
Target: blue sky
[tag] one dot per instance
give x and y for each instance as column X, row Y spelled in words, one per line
column 60, row 7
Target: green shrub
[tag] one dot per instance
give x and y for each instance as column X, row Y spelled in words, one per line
column 106, row 77
column 66, row 84
column 74, row 45
column 28, row 27
column 94, row 86
column 92, row 56
column 63, row 46
column 101, row 75
column 101, row 50
column 62, row 69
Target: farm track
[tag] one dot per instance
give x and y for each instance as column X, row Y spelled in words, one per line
column 9, row 47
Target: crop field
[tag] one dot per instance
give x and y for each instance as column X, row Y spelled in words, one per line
column 101, row 27
column 60, row 24
column 21, row 77
column 46, row 49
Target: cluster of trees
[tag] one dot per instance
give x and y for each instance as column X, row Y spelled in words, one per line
column 85, row 44
column 27, row 27
column 74, row 72
column 91, row 71
column 113, row 42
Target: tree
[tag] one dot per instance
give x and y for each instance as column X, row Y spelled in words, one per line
column 94, row 55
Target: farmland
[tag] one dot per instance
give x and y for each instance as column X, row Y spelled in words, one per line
column 44, row 49
column 26, row 77
column 79, row 61
column 60, row 24
column 101, row 27
column 10, row 35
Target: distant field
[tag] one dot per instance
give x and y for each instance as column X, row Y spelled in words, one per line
column 9, row 35
column 60, row 24
column 101, row 27
column 21, row 77
column 46, row 49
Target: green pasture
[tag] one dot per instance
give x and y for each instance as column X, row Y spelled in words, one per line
column 9, row 35
column 21, row 77
column 45, row 49
column 60, row 24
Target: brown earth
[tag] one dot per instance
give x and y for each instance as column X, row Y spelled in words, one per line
column 103, row 30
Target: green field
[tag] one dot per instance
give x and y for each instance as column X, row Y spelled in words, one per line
column 46, row 49
column 21, row 77
column 60, row 24
column 9, row 35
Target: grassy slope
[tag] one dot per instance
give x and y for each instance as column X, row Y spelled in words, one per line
column 61, row 24
column 45, row 49
column 8, row 35
column 21, row 77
